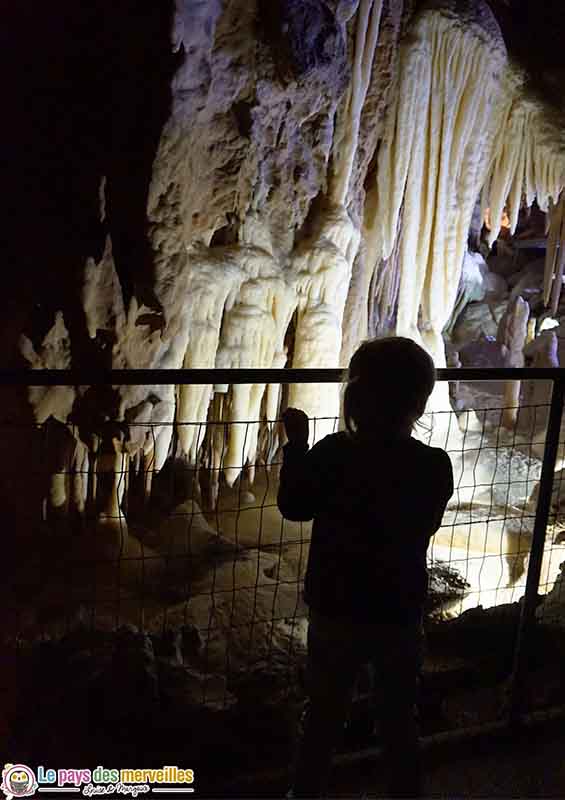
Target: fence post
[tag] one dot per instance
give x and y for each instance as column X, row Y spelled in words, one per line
column 527, row 622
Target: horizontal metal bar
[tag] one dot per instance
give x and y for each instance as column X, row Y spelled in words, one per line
column 531, row 244
column 480, row 374
column 436, row 744
column 163, row 377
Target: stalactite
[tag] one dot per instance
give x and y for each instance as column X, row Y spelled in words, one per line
column 323, row 267
column 363, row 118
column 432, row 163
column 384, row 291
column 253, row 331
column 466, row 83
column 460, row 123
column 366, row 38
column 502, row 171
column 528, row 160
column 214, row 276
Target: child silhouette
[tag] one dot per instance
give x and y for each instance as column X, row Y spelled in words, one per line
column 376, row 496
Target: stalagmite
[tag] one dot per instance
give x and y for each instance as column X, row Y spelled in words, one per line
column 555, row 257
column 512, row 335
column 53, row 353
column 58, row 490
column 542, row 352
column 112, row 469
column 79, row 477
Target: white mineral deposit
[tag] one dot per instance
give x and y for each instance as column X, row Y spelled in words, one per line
column 314, row 181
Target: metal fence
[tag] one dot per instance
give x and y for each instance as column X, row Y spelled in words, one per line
column 212, row 573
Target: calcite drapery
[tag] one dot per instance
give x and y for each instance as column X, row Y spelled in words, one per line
column 270, row 107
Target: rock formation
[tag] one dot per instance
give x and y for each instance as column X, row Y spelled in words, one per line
column 254, row 183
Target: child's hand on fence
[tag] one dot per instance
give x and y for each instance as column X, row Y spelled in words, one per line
column 296, row 425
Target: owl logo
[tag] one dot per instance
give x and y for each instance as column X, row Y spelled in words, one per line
column 18, row 781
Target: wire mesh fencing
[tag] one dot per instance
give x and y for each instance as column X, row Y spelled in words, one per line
column 488, row 526
column 120, row 543
column 204, row 566
column 551, row 579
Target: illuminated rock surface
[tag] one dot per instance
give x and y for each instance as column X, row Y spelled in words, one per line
column 276, row 182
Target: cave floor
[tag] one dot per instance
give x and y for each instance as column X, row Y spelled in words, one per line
column 530, row 765
column 534, row 767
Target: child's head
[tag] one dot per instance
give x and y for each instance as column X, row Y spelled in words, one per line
column 389, row 383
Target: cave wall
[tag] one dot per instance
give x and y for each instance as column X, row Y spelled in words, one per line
column 232, row 222
column 253, row 184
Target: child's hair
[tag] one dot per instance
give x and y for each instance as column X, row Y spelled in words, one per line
column 389, row 382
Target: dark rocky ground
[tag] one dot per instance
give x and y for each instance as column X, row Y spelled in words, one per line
column 531, row 765
column 129, row 698
column 518, row 766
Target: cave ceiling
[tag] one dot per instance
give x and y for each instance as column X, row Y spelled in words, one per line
column 534, row 34
column 92, row 85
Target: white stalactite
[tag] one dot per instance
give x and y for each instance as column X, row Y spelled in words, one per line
column 458, row 124
column 366, row 39
column 528, row 159
column 252, row 336
column 323, row 267
column 432, row 164
column 456, row 75
column 254, row 326
column 215, row 275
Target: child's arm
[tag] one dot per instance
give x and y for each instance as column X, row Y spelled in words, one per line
column 301, row 478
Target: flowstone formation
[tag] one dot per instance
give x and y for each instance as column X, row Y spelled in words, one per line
column 312, row 155
column 307, row 176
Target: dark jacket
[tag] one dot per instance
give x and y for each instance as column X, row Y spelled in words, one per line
column 374, row 508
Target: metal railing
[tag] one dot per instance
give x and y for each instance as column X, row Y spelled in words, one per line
column 248, row 577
